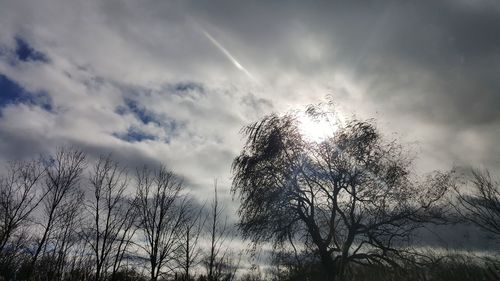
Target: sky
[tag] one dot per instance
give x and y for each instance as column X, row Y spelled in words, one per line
column 173, row 82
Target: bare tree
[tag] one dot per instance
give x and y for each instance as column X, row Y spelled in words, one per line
column 161, row 217
column 218, row 232
column 20, row 194
column 226, row 265
column 62, row 176
column 189, row 248
column 108, row 234
column 124, row 238
column 350, row 198
column 64, row 236
column 79, row 263
column 481, row 205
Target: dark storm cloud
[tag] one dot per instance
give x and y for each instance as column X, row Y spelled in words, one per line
column 457, row 47
column 436, row 63
column 389, row 44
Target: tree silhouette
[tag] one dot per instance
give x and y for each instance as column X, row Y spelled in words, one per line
column 481, row 206
column 20, row 194
column 111, row 217
column 217, row 261
column 189, row 250
column 350, row 199
column 63, row 194
column 161, row 212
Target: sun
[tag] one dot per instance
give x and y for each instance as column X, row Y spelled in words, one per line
column 317, row 128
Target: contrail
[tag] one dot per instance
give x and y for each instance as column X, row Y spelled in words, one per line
column 228, row 55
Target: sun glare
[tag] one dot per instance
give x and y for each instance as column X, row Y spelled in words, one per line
column 317, row 128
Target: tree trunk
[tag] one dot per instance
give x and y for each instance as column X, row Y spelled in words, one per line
column 328, row 265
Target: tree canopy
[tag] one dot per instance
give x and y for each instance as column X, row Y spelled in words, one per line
column 351, row 197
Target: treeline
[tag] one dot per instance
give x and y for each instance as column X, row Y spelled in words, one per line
column 474, row 202
column 350, row 206
column 344, row 208
column 63, row 217
column 444, row 265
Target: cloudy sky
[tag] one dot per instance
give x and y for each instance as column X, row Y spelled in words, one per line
column 173, row 82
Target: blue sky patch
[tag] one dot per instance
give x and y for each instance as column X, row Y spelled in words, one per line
column 138, row 110
column 25, row 52
column 188, row 86
column 10, row 92
column 134, row 135
column 170, row 125
column 13, row 93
